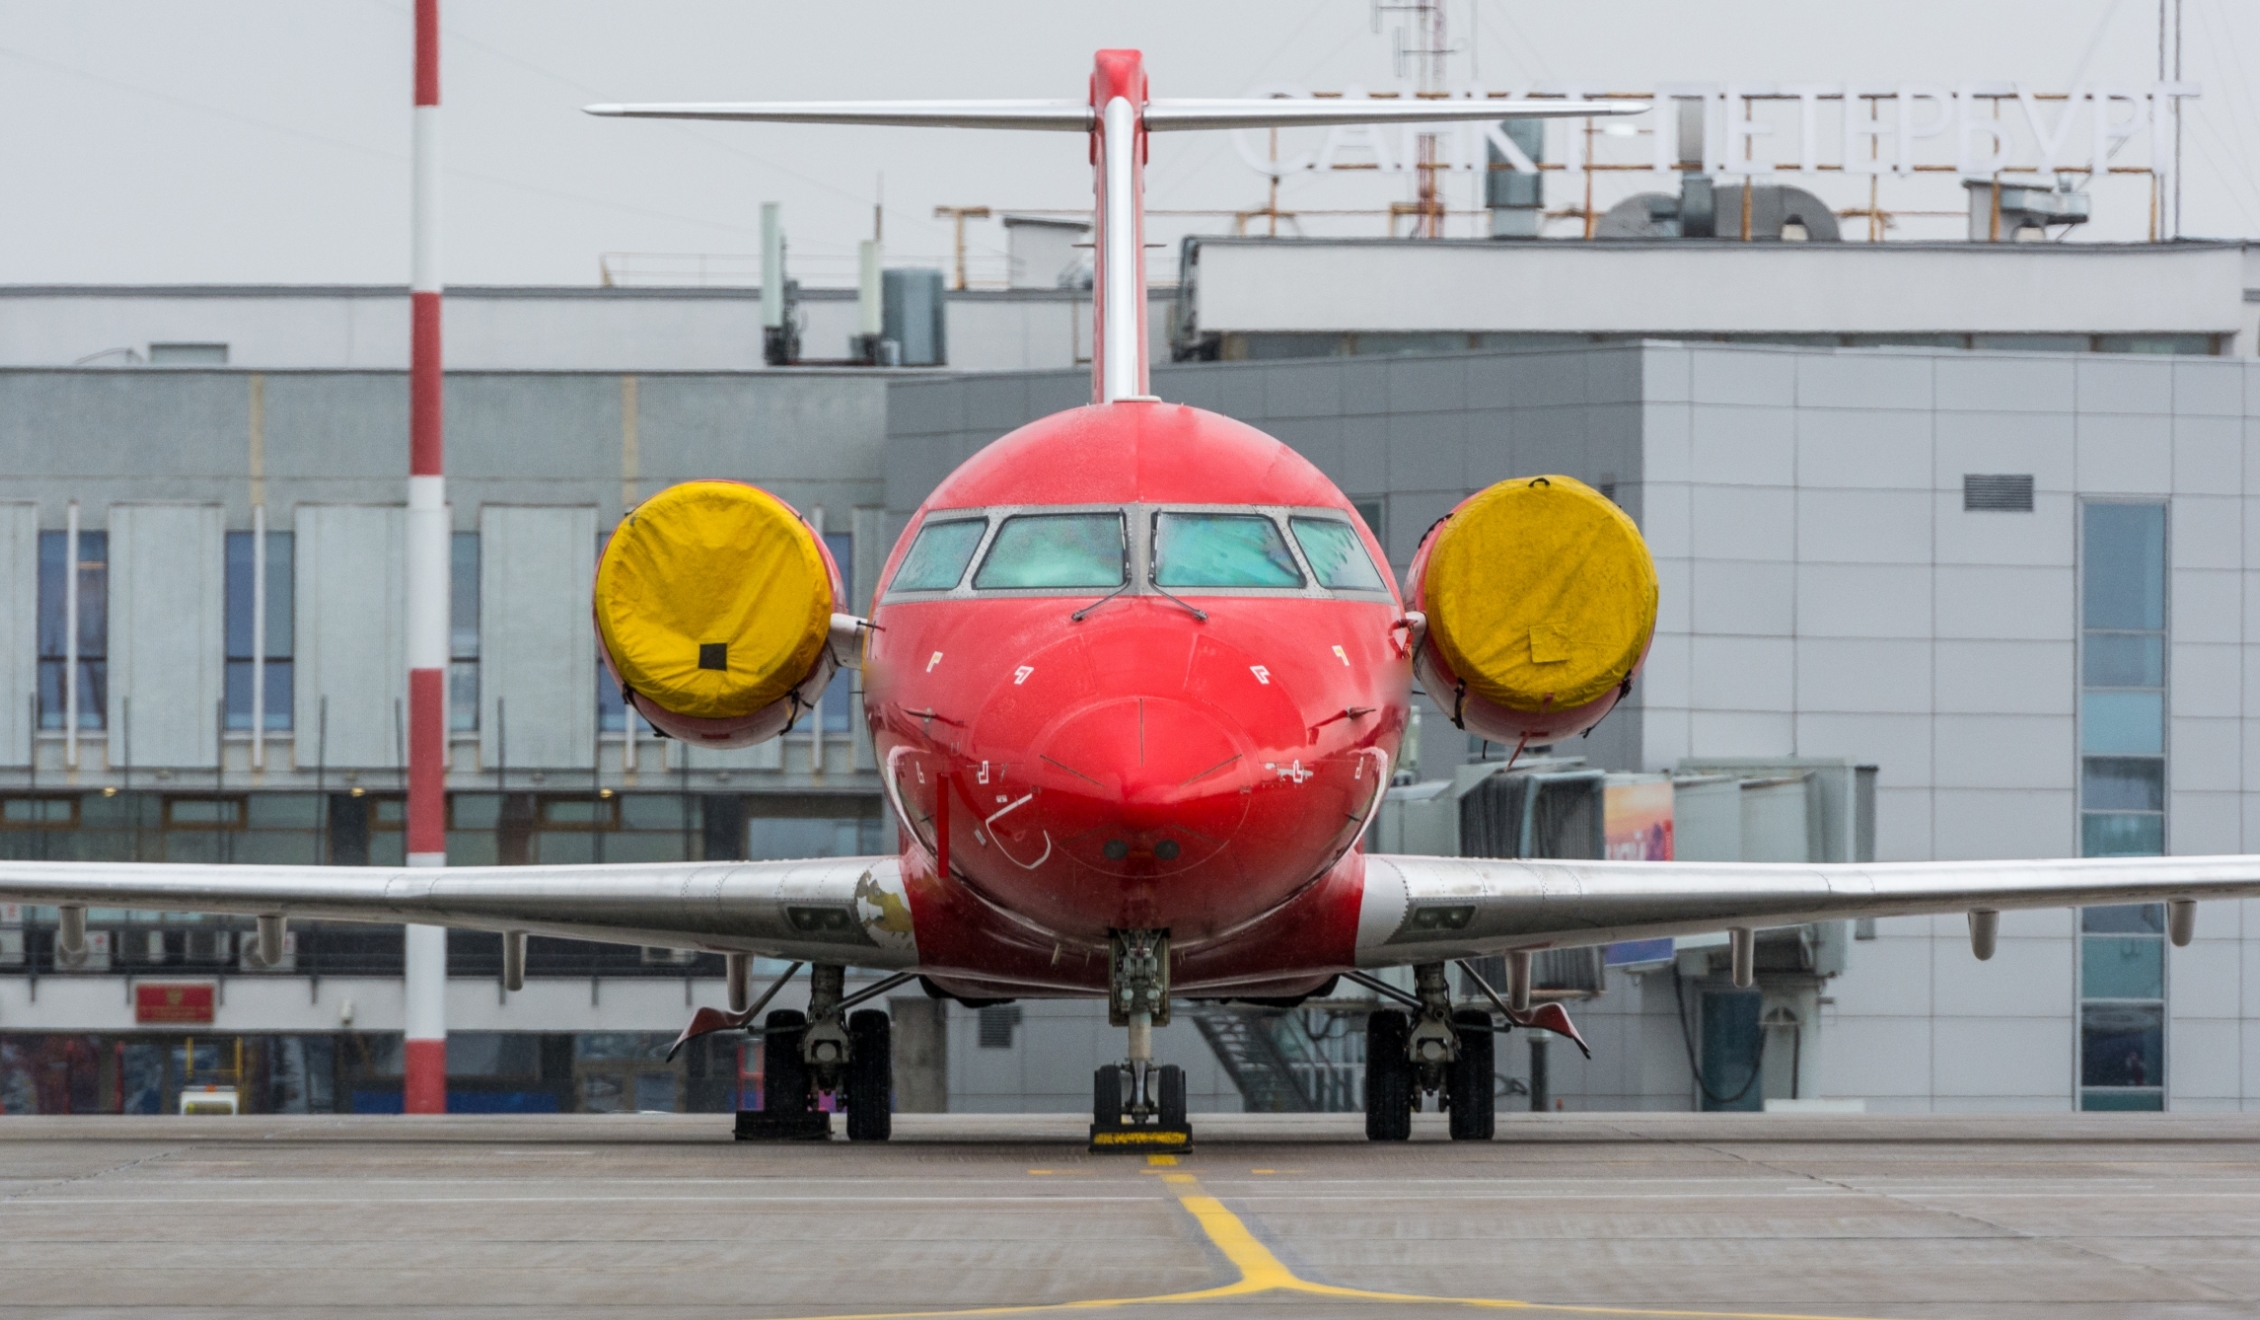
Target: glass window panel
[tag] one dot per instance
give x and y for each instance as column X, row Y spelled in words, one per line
column 280, row 703
column 2128, row 722
column 463, row 600
column 1083, row 550
column 651, row 811
column 2123, row 1101
column 1222, row 550
column 2123, row 783
column 463, row 696
column 2122, row 967
column 838, row 704
column 282, row 578
column 283, row 811
column 474, row 811
column 93, row 594
column 937, row 559
column 2125, row 660
column 2124, row 919
column 2122, row 1045
column 51, row 576
column 238, row 682
column 842, row 546
column 2122, row 835
column 784, row 838
column 1336, row 554
column 240, row 561
column 611, row 707
column 2125, row 566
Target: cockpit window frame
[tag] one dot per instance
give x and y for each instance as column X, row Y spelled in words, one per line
column 1139, row 524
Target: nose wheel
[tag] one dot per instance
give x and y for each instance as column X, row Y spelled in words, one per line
column 1137, row 1105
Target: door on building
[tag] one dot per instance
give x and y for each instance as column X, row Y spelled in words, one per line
column 1732, row 1041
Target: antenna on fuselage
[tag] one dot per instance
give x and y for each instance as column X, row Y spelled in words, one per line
column 1117, row 118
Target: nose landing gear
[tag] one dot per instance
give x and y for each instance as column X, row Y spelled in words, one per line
column 1135, row 1105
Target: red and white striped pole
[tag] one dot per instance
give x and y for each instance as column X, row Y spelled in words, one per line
column 424, row 1085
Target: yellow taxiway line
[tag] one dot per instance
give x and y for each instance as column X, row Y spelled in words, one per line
column 1263, row 1273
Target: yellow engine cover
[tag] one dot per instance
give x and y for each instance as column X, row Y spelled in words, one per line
column 713, row 599
column 1540, row 593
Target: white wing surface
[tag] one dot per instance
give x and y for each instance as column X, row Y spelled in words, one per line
column 839, row 909
column 1429, row 909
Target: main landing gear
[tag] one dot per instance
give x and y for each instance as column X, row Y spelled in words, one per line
column 1135, row 1105
column 825, row 1051
column 1437, row 1051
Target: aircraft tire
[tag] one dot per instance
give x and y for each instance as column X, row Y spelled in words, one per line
column 870, row 1076
column 784, row 1075
column 1469, row 1091
column 1388, row 1076
column 1106, row 1094
column 1170, row 1082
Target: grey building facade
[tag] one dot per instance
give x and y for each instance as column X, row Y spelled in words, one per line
column 2016, row 583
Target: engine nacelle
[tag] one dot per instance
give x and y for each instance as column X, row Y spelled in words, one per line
column 1539, row 600
column 716, row 612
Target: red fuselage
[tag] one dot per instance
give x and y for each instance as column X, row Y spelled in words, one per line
column 1087, row 766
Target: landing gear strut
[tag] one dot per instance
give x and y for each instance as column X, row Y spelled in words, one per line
column 824, row 1052
column 1435, row 1052
column 1136, row 1105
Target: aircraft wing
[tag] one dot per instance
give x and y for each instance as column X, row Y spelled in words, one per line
column 838, row 909
column 1429, row 909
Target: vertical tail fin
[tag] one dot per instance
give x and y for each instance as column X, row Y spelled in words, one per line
column 1118, row 284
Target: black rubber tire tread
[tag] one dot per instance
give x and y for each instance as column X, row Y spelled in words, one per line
column 1106, row 1094
column 1170, row 1082
column 784, row 1075
column 1388, row 1076
column 1469, row 1091
column 870, row 1079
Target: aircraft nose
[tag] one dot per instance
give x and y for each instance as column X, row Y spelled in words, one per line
column 1150, row 782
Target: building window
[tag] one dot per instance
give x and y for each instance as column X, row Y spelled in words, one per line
column 92, row 574
column 2122, row 715
column 997, row 1022
column 839, row 696
column 611, row 702
column 242, row 653
column 2123, row 1007
column 2122, row 734
column 463, row 635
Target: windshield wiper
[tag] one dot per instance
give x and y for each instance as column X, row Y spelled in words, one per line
column 1077, row 616
column 1198, row 612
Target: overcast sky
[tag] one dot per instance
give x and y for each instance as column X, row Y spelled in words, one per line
column 266, row 140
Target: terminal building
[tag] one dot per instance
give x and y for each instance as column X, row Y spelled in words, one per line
column 1954, row 559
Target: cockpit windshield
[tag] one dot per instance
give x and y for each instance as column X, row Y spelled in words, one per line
column 1056, row 550
column 1336, row 554
column 937, row 559
column 1221, row 550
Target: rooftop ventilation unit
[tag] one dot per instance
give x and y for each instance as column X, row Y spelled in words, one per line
column 2021, row 212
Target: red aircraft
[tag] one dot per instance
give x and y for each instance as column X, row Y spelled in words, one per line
column 1137, row 678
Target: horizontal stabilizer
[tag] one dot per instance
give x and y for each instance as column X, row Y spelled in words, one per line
column 1164, row 115
column 1066, row 116
column 1284, row 112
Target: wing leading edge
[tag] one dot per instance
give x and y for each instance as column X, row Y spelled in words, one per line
column 1428, row 909
column 838, row 909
